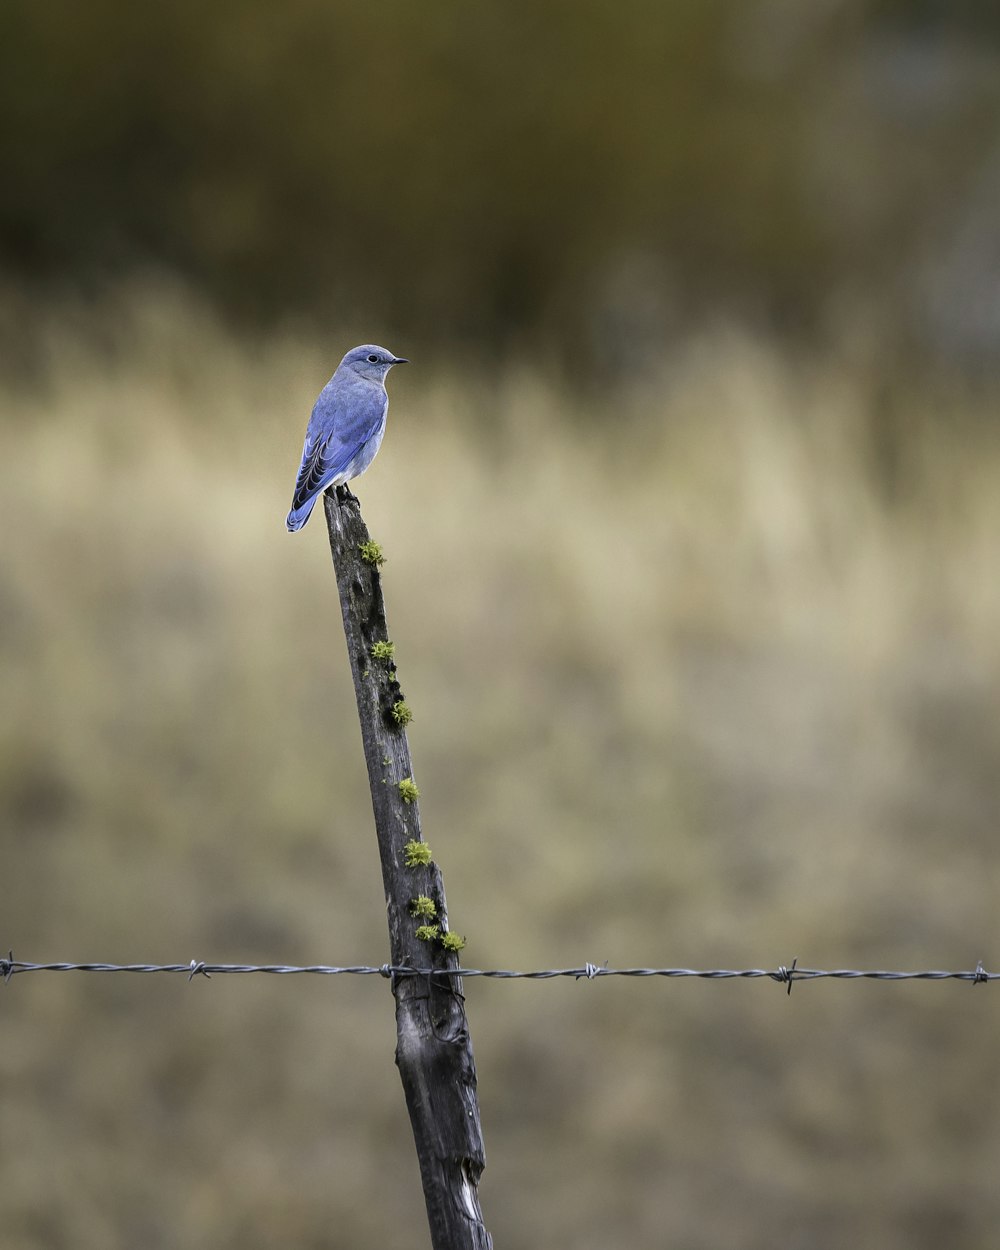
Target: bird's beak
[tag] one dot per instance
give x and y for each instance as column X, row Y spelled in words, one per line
column 400, row 360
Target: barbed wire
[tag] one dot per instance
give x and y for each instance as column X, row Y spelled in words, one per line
column 784, row 975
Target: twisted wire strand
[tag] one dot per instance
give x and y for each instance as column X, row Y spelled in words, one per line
column 784, row 975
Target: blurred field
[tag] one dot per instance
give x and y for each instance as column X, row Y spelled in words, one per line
column 708, row 680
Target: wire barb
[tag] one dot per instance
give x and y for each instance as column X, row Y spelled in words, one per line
column 786, row 976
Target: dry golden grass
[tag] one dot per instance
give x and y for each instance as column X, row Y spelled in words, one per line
column 692, row 687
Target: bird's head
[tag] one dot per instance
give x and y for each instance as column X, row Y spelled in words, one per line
column 371, row 361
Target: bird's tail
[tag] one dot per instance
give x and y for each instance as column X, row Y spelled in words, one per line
column 298, row 516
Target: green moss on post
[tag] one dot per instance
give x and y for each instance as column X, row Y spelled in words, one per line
column 423, row 907
column 452, row 941
column 383, row 651
column 402, row 714
column 408, row 791
column 371, row 553
column 416, row 855
column 428, row 932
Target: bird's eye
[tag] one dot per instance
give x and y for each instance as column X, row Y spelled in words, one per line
column 373, row 359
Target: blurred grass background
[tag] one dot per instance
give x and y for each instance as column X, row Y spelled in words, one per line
column 690, row 500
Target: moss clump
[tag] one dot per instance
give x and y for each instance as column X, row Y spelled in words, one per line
column 408, row 791
column 423, row 907
column 428, row 932
column 453, row 942
column 416, row 854
column 402, row 714
column 371, row 553
column 383, row 651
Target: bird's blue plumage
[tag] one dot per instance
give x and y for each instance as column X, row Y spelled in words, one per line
column 345, row 429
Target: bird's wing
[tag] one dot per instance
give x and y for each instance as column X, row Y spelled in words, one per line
column 342, row 422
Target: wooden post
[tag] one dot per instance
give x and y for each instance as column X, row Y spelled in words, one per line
column 433, row 1046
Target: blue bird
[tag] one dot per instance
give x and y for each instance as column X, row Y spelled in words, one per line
column 345, row 429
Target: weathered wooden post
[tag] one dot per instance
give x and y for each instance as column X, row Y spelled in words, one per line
column 433, row 1046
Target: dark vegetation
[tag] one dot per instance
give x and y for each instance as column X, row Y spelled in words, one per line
column 573, row 180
